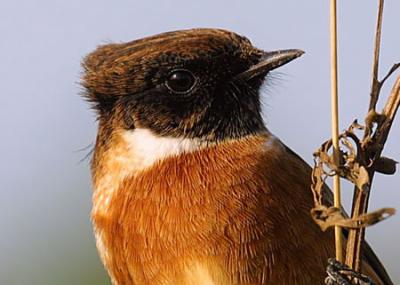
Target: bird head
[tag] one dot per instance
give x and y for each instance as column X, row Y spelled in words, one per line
column 199, row 83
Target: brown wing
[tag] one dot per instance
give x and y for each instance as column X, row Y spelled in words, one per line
column 371, row 264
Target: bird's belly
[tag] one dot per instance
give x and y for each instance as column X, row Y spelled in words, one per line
column 163, row 256
column 157, row 266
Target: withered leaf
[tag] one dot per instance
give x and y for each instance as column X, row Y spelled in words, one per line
column 386, row 165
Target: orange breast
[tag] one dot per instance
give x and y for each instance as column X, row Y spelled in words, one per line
column 233, row 213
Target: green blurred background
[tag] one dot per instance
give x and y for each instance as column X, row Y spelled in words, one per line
column 47, row 129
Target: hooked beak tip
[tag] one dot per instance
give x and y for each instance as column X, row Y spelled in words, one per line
column 278, row 58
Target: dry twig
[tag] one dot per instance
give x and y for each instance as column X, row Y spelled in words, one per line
column 359, row 160
column 372, row 145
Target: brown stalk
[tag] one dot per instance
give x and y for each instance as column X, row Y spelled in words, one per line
column 361, row 197
column 372, row 144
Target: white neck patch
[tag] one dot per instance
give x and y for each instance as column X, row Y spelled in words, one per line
column 139, row 150
column 145, row 147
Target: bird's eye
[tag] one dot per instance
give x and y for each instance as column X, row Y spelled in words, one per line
column 180, row 81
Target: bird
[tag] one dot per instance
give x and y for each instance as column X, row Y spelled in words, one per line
column 189, row 184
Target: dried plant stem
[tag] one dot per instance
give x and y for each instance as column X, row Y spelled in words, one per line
column 335, row 123
column 357, row 161
column 361, row 198
column 373, row 151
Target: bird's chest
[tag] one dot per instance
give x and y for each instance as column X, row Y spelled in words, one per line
column 200, row 218
column 172, row 225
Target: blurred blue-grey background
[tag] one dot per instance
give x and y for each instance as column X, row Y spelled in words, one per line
column 45, row 230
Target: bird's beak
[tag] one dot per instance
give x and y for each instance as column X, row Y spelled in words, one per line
column 270, row 61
